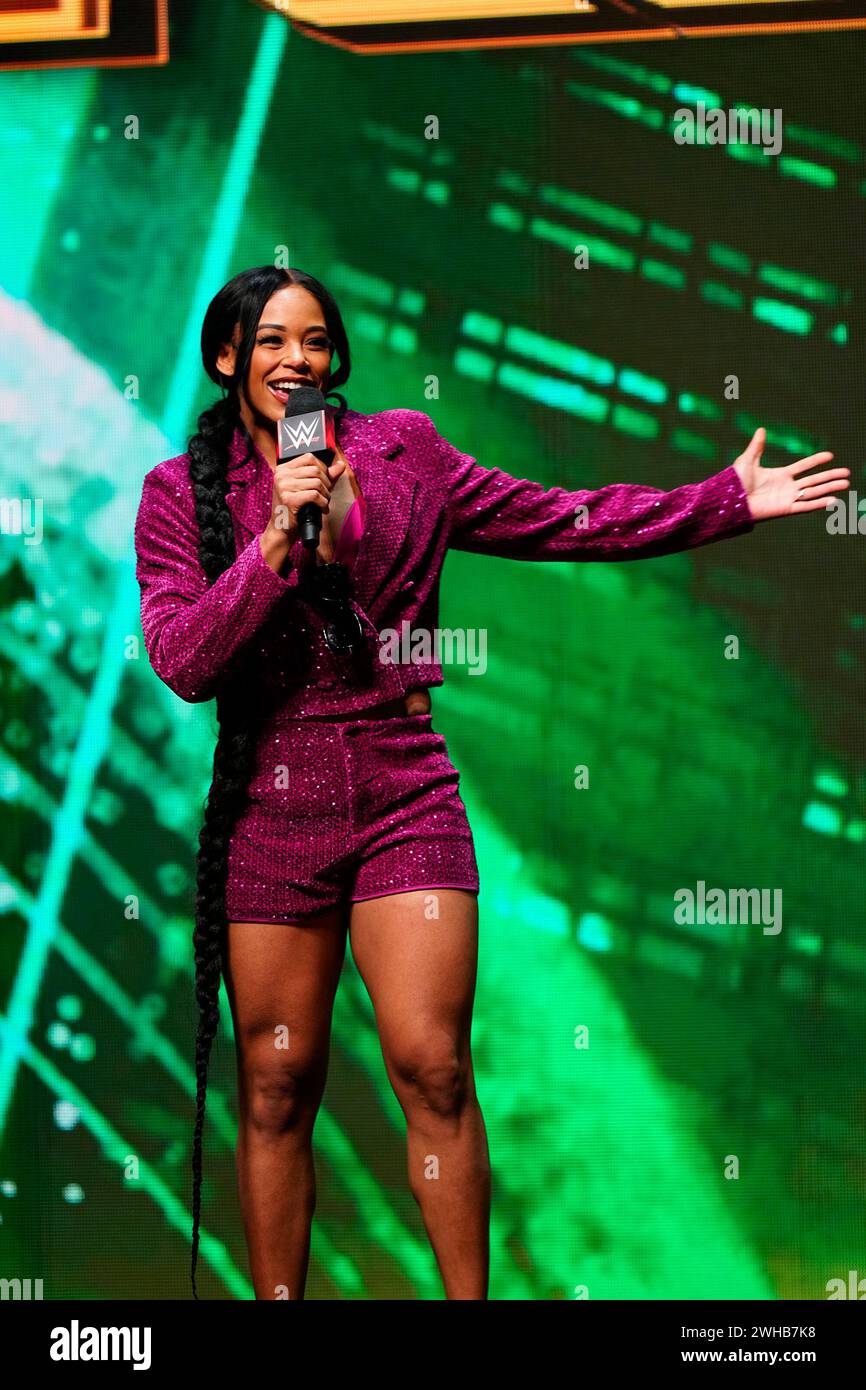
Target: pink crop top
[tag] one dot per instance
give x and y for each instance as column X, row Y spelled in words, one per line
column 351, row 532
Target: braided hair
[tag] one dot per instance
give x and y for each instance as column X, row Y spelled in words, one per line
column 240, row 302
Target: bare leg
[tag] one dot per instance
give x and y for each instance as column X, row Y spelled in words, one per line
column 419, row 970
column 281, row 980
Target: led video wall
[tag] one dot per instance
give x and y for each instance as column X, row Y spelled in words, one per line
column 522, row 248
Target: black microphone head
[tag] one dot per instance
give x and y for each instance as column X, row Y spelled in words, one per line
column 303, row 400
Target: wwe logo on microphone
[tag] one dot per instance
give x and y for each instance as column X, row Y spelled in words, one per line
column 301, row 433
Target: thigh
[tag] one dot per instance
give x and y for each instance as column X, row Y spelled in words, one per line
column 283, row 976
column 417, row 954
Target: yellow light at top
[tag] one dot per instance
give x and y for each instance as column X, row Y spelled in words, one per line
column 67, row 19
column 390, row 26
column 720, row 4
column 336, row 12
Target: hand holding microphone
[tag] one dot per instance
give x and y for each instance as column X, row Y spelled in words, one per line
column 308, row 431
column 299, row 483
column 304, row 476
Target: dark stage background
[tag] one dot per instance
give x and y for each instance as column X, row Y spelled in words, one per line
column 737, row 764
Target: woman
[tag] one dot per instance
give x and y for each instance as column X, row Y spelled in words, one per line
column 334, row 803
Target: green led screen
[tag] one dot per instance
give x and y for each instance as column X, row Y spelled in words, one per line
column 522, row 248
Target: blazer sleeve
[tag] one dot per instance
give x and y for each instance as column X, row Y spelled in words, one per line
column 493, row 513
column 193, row 630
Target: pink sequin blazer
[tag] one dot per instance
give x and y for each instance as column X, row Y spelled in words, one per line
column 423, row 496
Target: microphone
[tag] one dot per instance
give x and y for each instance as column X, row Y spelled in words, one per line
column 307, row 429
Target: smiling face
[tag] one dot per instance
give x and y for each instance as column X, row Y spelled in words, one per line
column 291, row 346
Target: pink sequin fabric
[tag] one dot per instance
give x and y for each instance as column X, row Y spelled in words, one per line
column 348, row 809
column 422, row 497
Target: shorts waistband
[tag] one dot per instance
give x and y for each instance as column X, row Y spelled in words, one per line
column 389, row 709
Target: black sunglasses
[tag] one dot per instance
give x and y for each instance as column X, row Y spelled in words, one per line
column 328, row 587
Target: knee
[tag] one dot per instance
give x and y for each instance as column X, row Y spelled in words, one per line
column 279, row 1092
column 432, row 1079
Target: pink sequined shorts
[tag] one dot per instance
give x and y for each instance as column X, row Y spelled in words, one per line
column 342, row 810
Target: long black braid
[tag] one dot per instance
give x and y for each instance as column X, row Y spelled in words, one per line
column 242, row 302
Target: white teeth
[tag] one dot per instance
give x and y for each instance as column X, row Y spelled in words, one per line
column 285, row 385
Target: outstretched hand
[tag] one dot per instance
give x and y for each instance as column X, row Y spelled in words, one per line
column 784, row 491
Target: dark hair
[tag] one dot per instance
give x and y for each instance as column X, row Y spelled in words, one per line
column 241, row 301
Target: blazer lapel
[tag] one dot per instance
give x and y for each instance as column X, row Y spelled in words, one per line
column 250, row 486
column 370, row 444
